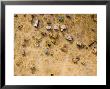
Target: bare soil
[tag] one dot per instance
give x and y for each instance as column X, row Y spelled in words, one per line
column 39, row 51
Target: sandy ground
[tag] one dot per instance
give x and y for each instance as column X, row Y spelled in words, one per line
column 43, row 51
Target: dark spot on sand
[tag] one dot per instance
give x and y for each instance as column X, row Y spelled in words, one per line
column 52, row 74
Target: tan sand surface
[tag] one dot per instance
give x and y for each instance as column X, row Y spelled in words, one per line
column 39, row 51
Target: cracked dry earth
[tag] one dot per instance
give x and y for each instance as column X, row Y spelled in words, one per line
column 55, row 44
